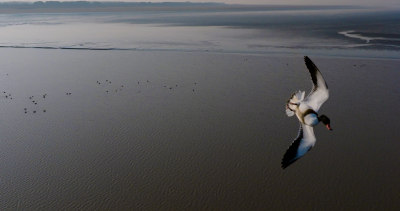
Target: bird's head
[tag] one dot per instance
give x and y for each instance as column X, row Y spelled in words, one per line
column 327, row 122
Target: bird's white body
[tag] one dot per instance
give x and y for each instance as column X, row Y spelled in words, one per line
column 310, row 119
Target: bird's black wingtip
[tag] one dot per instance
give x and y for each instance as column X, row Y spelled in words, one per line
column 307, row 59
column 285, row 162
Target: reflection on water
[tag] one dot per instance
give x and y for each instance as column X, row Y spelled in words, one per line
column 234, row 31
column 392, row 40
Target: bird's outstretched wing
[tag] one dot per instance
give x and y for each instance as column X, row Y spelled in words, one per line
column 319, row 93
column 301, row 145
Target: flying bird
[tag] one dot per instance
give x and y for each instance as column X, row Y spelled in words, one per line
column 306, row 110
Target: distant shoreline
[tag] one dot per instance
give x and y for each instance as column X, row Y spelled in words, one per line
column 202, row 27
column 86, row 6
column 326, row 53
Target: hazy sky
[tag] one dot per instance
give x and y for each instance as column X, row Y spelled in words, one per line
column 289, row 2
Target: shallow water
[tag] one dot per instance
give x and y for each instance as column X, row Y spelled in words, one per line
column 192, row 131
column 284, row 30
column 178, row 110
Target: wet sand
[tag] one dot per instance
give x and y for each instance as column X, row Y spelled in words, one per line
column 181, row 130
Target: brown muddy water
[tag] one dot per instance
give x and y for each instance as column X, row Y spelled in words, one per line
column 187, row 131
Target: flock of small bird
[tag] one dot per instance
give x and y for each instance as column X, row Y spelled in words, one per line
column 34, row 100
column 7, row 95
column 108, row 87
column 176, row 86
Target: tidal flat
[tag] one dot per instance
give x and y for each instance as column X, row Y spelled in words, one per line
column 192, row 130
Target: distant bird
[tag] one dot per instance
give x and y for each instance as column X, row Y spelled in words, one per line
column 306, row 111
